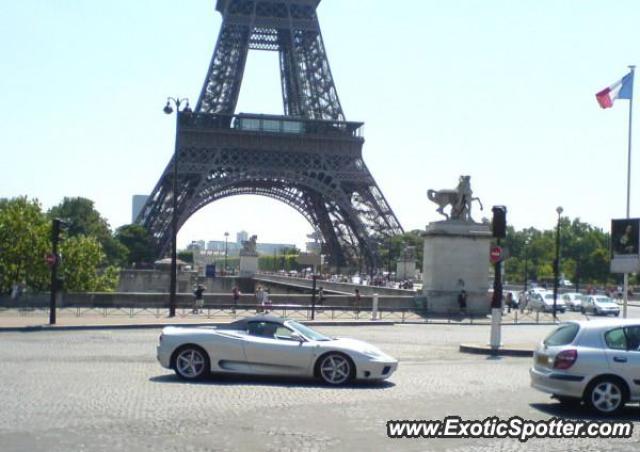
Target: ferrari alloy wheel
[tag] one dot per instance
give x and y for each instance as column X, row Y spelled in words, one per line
column 191, row 363
column 335, row 369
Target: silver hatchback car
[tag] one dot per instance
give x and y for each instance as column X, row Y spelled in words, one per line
column 596, row 361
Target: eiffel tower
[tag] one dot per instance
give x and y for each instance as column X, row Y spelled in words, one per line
column 310, row 158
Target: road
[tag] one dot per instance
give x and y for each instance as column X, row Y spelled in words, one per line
column 104, row 391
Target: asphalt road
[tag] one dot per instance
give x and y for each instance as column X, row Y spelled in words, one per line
column 104, row 391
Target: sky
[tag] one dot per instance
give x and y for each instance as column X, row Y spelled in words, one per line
column 500, row 90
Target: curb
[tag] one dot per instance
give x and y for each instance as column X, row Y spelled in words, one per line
column 141, row 326
column 478, row 349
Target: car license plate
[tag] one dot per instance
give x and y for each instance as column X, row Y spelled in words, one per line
column 543, row 360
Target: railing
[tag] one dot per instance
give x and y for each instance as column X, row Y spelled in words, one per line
column 270, row 124
column 230, row 311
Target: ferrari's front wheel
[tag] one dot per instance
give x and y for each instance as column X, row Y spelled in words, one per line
column 336, row 369
column 191, row 363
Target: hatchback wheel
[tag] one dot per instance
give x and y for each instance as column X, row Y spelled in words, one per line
column 606, row 396
column 336, row 369
column 191, row 363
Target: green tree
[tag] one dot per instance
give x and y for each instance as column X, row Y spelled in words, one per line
column 84, row 219
column 391, row 248
column 24, row 242
column 138, row 242
column 81, row 266
column 584, row 253
column 186, row 256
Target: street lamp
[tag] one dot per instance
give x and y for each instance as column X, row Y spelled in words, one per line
column 174, row 200
column 556, row 264
column 226, row 236
column 526, row 261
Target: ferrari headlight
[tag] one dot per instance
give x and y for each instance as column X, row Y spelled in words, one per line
column 372, row 353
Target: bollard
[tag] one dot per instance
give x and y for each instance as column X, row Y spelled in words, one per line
column 374, row 307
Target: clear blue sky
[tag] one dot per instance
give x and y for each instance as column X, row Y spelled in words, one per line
column 501, row 90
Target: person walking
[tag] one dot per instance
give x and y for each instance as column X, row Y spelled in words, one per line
column 462, row 301
column 357, row 300
column 259, row 299
column 199, row 300
column 236, row 298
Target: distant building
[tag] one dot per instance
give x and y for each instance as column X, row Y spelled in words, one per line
column 196, row 245
column 137, row 203
column 271, row 248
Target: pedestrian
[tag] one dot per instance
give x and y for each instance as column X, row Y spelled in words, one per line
column 357, row 300
column 199, row 300
column 320, row 296
column 259, row 299
column 267, row 300
column 509, row 301
column 236, row 298
column 462, row 301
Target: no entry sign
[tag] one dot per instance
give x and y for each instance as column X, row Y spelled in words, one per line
column 496, row 254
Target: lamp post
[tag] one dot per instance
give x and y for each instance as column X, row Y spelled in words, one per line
column 556, row 264
column 174, row 200
column 526, row 261
column 226, row 236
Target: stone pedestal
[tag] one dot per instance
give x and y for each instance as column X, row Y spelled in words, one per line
column 406, row 270
column 248, row 266
column 456, row 257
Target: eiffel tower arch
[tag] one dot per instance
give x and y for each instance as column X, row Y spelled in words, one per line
column 310, row 158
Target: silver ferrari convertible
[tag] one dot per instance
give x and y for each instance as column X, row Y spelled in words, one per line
column 269, row 345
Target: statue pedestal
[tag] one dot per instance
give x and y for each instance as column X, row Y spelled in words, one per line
column 406, row 269
column 456, row 257
column 248, row 266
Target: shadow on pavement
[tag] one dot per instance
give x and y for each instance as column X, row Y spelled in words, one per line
column 580, row 412
column 253, row 380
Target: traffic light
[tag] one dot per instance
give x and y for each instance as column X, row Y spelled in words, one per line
column 499, row 222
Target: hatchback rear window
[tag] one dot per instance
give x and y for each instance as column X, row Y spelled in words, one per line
column 563, row 335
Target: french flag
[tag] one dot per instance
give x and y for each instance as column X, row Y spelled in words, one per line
column 622, row 89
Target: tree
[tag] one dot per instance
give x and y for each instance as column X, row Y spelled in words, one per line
column 185, row 256
column 81, row 266
column 391, row 249
column 138, row 242
column 24, row 242
column 584, row 253
column 84, row 219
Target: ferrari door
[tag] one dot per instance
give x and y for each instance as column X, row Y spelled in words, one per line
column 270, row 349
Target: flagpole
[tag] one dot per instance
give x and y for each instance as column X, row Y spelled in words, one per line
column 626, row 275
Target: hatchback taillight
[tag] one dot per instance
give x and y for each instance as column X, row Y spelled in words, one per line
column 565, row 359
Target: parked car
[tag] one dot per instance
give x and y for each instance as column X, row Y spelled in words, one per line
column 543, row 301
column 270, row 345
column 599, row 305
column 596, row 362
column 573, row 300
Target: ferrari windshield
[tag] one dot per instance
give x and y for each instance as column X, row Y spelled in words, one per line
column 307, row 332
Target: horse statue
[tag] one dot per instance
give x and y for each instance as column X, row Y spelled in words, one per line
column 249, row 246
column 459, row 199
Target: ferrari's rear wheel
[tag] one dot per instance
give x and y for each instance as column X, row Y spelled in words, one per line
column 191, row 363
column 336, row 369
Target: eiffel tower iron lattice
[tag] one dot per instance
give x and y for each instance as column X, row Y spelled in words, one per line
column 310, row 158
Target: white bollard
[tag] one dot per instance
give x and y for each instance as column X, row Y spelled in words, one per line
column 374, row 307
column 496, row 318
